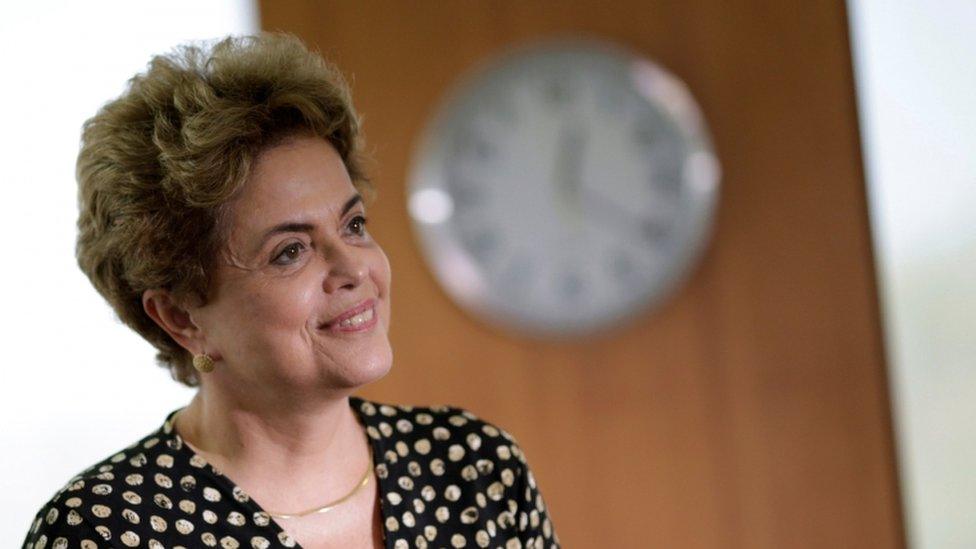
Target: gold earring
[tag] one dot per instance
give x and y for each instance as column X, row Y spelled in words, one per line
column 203, row 363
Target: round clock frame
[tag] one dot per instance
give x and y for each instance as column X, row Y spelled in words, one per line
column 563, row 188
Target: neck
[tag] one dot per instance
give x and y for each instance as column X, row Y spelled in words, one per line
column 276, row 448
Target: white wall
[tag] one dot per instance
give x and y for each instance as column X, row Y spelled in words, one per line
column 916, row 73
column 77, row 384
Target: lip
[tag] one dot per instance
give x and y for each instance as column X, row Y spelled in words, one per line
column 333, row 325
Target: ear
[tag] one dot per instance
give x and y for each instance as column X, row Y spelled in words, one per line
column 173, row 317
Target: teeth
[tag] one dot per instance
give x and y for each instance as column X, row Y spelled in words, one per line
column 364, row 316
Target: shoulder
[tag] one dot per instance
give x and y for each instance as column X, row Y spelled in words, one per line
column 439, row 431
column 442, row 462
column 93, row 507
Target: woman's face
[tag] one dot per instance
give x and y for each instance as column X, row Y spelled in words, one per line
column 297, row 258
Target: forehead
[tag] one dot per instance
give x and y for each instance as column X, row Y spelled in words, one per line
column 301, row 178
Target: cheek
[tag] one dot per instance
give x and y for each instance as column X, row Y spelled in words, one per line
column 277, row 303
column 384, row 269
column 381, row 274
column 382, row 277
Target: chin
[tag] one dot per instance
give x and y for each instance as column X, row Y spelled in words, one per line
column 364, row 370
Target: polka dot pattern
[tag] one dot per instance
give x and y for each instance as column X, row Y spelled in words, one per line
column 446, row 479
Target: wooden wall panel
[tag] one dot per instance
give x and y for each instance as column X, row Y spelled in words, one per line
column 751, row 410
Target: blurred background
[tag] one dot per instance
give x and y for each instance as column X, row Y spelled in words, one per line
column 810, row 382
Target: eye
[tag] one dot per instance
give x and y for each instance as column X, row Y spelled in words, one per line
column 358, row 225
column 289, row 254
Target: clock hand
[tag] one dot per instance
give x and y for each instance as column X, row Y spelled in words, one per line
column 647, row 225
column 577, row 145
column 567, row 173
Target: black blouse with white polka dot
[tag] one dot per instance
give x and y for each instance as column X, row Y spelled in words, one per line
column 446, row 479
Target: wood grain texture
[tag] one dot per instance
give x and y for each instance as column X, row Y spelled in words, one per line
column 751, row 410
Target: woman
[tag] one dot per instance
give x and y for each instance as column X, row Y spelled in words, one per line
column 223, row 217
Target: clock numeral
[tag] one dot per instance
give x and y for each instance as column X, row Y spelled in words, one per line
column 465, row 195
column 556, row 92
column 666, row 156
column 482, row 245
column 610, row 99
column 655, row 230
column 645, row 136
column 471, row 144
column 571, row 286
column 502, row 107
column 668, row 182
column 516, row 278
column 651, row 127
column 621, row 265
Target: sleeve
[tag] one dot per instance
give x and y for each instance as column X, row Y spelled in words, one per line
column 58, row 527
column 534, row 528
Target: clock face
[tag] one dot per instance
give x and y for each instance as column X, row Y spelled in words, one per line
column 563, row 188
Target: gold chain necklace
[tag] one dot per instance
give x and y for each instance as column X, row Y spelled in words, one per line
column 331, row 505
column 328, row 506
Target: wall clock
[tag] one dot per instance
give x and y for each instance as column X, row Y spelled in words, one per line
column 563, row 188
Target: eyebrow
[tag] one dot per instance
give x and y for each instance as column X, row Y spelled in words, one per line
column 302, row 227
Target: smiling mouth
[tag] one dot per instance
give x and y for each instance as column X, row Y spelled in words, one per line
column 357, row 320
column 360, row 322
column 361, row 318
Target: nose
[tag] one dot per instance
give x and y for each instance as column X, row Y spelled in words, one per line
column 346, row 268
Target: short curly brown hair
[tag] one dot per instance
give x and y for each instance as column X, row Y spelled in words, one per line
column 158, row 165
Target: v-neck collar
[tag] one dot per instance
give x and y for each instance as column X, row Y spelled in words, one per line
column 176, row 443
